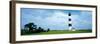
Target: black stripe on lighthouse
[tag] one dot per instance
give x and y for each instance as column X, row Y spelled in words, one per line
column 69, row 19
column 69, row 24
column 69, row 14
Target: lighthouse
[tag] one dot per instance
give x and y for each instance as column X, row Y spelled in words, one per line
column 70, row 23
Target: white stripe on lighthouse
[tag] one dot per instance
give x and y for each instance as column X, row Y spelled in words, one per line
column 70, row 22
column 70, row 17
column 70, row 28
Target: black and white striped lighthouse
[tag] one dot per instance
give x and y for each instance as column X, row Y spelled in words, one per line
column 70, row 22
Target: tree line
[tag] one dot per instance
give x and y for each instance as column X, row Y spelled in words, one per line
column 31, row 27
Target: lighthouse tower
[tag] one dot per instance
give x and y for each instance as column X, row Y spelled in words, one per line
column 70, row 23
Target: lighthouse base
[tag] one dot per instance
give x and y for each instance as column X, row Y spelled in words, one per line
column 72, row 30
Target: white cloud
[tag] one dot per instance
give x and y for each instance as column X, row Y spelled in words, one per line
column 57, row 19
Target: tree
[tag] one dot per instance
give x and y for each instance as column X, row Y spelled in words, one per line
column 26, row 27
column 39, row 29
column 31, row 26
column 48, row 30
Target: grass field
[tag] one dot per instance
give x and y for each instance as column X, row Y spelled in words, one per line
column 58, row 32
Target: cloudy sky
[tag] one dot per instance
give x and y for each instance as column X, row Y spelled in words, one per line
column 56, row 19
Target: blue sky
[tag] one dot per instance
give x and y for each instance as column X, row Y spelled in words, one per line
column 56, row 19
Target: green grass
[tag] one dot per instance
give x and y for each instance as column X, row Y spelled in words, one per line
column 57, row 32
column 65, row 32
